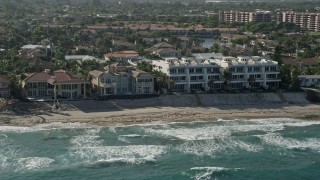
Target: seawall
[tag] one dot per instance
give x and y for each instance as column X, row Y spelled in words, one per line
column 194, row 100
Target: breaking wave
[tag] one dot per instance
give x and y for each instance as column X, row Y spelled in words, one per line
column 206, row 173
column 276, row 139
column 90, row 148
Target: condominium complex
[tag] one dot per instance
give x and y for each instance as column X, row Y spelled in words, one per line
column 305, row 20
column 203, row 74
column 244, row 17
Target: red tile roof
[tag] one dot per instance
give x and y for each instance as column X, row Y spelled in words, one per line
column 123, row 54
column 40, row 76
column 57, row 77
column 64, row 77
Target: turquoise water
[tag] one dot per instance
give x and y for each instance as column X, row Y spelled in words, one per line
column 237, row 149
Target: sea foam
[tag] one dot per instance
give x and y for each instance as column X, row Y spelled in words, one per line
column 34, row 163
column 276, row 139
column 48, row 126
column 216, row 147
column 207, row 173
column 190, row 134
column 90, row 148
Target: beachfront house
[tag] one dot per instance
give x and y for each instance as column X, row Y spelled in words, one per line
column 106, row 82
column 52, row 85
column 142, row 82
column 113, row 81
column 309, row 80
column 4, row 87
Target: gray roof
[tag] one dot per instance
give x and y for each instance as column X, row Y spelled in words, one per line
column 207, row 55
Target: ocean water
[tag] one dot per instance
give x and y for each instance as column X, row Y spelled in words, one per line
column 277, row 148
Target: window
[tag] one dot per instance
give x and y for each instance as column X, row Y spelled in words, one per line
column 146, row 90
column 232, row 69
column 215, row 77
column 66, row 94
column 213, row 70
column 193, row 78
column 179, row 87
column 273, row 68
column 236, row 85
column 256, row 69
column 109, row 91
column 239, row 69
column 249, row 69
column 42, row 93
column 234, row 77
column 173, row 71
column 66, row 86
column 50, row 93
column 191, row 70
column 75, row 94
column 198, row 70
column 42, row 85
column 181, row 71
column 271, row 76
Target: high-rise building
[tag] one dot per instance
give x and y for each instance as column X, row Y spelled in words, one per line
column 305, row 20
column 244, row 17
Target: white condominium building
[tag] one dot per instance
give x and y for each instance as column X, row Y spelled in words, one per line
column 196, row 73
column 190, row 74
column 251, row 72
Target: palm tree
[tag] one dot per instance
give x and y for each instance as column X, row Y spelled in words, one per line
column 251, row 80
column 227, row 75
column 211, row 84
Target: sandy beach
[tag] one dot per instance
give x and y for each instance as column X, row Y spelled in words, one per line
column 116, row 112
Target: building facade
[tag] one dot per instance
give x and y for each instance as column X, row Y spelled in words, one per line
column 209, row 74
column 251, row 72
column 131, row 82
column 244, row 17
column 57, row 84
column 190, row 74
column 309, row 80
column 305, row 20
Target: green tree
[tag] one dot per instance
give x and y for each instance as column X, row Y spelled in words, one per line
column 277, row 55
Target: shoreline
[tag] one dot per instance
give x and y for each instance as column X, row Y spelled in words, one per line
column 106, row 117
